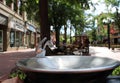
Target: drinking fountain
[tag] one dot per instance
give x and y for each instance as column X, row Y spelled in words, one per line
column 66, row 68
column 42, row 45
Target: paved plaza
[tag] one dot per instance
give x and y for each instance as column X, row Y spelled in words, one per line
column 105, row 52
column 8, row 59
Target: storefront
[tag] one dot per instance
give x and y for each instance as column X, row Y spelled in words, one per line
column 37, row 35
column 31, row 36
column 17, row 35
column 3, row 32
column 14, row 34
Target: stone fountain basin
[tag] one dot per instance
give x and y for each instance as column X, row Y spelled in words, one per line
column 67, row 69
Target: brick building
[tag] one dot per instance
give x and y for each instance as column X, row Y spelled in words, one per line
column 15, row 31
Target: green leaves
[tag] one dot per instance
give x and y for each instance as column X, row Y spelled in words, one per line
column 116, row 72
column 18, row 73
column 112, row 2
column 9, row 1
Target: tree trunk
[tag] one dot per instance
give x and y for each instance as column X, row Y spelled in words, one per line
column 65, row 35
column 44, row 27
column 57, row 29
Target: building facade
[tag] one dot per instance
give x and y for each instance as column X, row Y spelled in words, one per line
column 15, row 32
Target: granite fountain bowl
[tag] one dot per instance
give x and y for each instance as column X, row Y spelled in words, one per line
column 67, row 69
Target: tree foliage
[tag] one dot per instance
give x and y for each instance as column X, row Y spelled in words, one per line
column 115, row 4
column 59, row 11
column 62, row 10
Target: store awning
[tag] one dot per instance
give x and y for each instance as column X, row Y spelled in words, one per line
column 3, row 20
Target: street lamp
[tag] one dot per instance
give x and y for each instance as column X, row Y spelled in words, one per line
column 108, row 21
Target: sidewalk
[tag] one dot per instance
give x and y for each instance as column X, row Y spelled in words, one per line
column 105, row 52
column 8, row 59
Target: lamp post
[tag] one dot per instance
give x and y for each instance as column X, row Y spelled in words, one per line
column 108, row 35
column 107, row 22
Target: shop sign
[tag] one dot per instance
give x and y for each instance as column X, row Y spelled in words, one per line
column 31, row 28
column 17, row 26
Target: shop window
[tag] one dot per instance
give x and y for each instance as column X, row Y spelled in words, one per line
column 1, row 40
column 19, row 38
column 1, row 36
column 25, row 39
column 32, row 38
column 21, row 41
column 12, row 39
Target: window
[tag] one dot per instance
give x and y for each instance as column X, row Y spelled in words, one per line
column 19, row 38
column 12, row 39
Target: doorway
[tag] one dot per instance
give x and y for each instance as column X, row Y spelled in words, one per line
column 1, row 40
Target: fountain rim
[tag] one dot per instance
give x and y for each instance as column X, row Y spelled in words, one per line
column 84, row 70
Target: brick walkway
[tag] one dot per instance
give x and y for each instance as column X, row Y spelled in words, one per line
column 8, row 59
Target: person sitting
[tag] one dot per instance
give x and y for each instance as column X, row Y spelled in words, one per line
column 85, row 45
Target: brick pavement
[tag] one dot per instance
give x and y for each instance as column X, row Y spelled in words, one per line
column 8, row 59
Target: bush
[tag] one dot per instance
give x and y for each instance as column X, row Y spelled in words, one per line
column 15, row 72
column 116, row 71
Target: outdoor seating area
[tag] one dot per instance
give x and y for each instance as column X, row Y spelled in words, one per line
column 79, row 47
